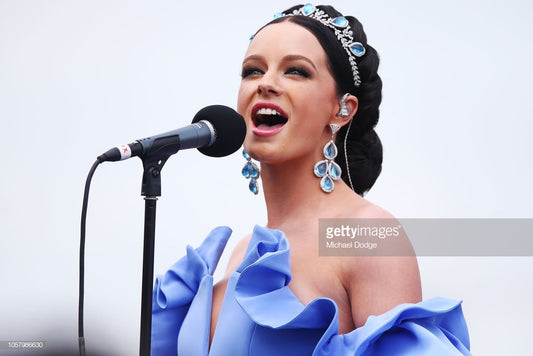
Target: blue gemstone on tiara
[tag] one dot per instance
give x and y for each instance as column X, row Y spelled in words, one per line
column 308, row 9
column 340, row 21
column 357, row 49
column 341, row 27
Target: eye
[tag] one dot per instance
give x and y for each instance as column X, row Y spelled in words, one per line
column 248, row 71
column 298, row 71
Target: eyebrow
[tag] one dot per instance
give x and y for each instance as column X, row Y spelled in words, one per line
column 289, row 57
column 292, row 57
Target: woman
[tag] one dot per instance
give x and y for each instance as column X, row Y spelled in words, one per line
column 309, row 79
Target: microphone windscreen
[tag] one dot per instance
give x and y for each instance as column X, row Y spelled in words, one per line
column 229, row 127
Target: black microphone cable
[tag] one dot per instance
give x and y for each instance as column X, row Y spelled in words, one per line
column 83, row 223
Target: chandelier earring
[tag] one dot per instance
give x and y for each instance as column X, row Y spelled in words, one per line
column 251, row 171
column 328, row 170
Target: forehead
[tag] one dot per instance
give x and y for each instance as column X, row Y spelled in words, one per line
column 286, row 38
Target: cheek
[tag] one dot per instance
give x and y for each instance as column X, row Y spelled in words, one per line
column 243, row 108
column 314, row 105
column 243, row 99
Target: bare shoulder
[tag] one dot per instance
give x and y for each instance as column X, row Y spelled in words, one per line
column 365, row 209
column 390, row 277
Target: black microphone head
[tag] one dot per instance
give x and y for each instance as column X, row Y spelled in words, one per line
column 229, row 127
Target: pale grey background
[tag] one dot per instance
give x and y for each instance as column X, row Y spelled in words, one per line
column 78, row 77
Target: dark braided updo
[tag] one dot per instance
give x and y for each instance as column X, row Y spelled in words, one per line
column 363, row 146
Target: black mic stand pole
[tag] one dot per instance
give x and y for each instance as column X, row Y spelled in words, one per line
column 151, row 189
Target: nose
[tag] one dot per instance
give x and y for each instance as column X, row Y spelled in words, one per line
column 268, row 85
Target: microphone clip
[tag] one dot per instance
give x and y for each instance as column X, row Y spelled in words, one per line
column 151, row 182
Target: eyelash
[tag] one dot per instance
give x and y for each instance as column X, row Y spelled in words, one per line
column 298, row 71
column 246, row 72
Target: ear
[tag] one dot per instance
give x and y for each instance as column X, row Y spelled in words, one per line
column 351, row 104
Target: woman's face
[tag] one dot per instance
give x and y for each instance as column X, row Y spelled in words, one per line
column 287, row 95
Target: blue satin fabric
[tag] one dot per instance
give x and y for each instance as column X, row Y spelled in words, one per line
column 260, row 315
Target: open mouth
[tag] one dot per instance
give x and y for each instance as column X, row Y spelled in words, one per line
column 266, row 117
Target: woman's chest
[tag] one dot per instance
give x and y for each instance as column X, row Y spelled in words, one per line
column 312, row 277
column 321, row 277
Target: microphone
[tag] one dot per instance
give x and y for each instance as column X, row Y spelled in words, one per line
column 216, row 131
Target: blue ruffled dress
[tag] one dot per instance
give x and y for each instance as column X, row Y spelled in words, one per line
column 261, row 316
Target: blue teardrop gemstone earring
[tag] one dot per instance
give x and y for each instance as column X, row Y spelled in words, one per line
column 251, row 171
column 328, row 170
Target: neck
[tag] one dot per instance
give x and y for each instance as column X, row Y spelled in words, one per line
column 293, row 195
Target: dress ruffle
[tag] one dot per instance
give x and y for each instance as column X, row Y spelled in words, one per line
column 186, row 289
column 432, row 327
column 276, row 322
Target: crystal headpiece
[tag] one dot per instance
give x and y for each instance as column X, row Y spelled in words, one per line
column 342, row 30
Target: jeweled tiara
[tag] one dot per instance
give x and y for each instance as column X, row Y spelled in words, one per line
column 342, row 30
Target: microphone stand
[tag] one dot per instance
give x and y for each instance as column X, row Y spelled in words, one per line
column 151, row 189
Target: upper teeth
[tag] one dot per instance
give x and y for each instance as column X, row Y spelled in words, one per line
column 268, row 111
